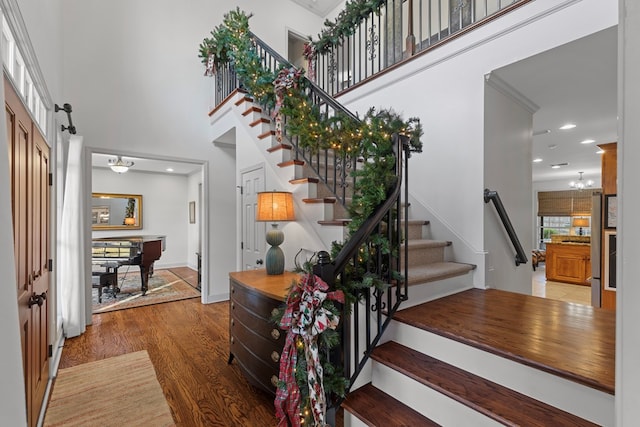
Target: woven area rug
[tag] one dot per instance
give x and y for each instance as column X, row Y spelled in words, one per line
column 163, row 286
column 118, row 391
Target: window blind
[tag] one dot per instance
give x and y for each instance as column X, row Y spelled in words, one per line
column 565, row 203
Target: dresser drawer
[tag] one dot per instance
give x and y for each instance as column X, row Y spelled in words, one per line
column 262, row 347
column 257, row 324
column 259, row 372
column 253, row 301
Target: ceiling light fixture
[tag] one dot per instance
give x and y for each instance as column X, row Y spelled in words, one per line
column 119, row 165
column 567, row 126
column 537, row 160
column 588, row 141
column 580, row 184
column 169, row 169
column 558, row 165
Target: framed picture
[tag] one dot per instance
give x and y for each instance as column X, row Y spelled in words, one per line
column 610, row 211
column 192, row 212
column 609, row 270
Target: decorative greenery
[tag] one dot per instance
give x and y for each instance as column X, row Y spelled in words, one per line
column 346, row 22
column 368, row 139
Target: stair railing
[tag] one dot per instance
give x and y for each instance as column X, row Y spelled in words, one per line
column 334, row 171
column 396, row 31
column 489, row 195
column 363, row 324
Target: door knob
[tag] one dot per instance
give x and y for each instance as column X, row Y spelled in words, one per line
column 259, row 261
column 37, row 299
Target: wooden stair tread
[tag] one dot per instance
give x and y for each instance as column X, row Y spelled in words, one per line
column 279, row 147
column 338, row 222
column 493, row 400
column 252, row 109
column 256, row 122
column 267, row 134
column 306, row 180
column 377, row 409
column 571, row 340
column 437, row 271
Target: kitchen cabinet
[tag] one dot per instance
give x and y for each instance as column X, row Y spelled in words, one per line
column 568, row 263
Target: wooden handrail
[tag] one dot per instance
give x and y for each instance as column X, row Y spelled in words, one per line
column 489, row 195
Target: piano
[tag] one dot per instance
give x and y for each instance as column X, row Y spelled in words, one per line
column 142, row 251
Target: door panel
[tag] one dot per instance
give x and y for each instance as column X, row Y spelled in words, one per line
column 30, row 198
column 253, row 233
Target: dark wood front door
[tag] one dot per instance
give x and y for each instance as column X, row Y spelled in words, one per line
column 30, row 198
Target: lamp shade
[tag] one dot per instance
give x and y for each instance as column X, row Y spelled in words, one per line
column 580, row 222
column 275, row 206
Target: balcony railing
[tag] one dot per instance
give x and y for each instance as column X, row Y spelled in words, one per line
column 400, row 30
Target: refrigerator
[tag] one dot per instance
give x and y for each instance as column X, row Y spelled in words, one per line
column 596, row 249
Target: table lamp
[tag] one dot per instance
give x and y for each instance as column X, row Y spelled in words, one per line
column 580, row 222
column 275, row 206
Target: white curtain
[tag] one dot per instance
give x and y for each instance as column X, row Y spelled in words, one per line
column 71, row 239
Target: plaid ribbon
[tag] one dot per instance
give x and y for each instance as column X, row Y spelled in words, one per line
column 287, row 78
column 304, row 317
column 309, row 54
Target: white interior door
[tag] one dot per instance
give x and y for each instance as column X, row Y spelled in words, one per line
column 253, row 233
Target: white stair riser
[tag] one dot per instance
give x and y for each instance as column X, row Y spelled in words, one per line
column 585, row 402
column 427, row 401
column 430, row 291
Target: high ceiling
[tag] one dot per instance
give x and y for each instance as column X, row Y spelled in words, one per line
column 574, row 83
column 319, row 7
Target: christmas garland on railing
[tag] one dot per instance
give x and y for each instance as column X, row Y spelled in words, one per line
column 344, row 25
column 284, row 90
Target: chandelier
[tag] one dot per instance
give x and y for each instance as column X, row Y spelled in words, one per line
column 119, row 165
column 581, row 184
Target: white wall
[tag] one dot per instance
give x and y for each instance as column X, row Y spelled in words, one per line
column 137, row 87
column 164, row 208
column 508, row 136
column 194, row 238
column 628, row 293
column 446, row 90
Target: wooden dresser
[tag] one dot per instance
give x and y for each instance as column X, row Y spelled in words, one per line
column 255, row 341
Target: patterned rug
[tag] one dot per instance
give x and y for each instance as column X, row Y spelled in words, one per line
column 163, row 286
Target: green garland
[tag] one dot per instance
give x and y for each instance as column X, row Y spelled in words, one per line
column 346, row 22
column 368, row 139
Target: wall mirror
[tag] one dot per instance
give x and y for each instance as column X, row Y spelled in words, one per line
column 116, row 211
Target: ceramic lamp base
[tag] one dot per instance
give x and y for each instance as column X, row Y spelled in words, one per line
column 274, row 259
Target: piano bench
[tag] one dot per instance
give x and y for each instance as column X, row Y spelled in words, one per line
column 101, row 279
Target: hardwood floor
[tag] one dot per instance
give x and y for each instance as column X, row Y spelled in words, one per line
column 188, row 345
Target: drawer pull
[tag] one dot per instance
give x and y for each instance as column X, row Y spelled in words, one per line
column 233, row 322
column 275, row 356
column 274, row 380
column 274, row 312
column 232, row 340
column 233, row 289
column 233, row 306
column 275, row 334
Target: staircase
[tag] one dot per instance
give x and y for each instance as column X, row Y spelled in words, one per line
column 431, row 274
column 487, row 358
column 426, row 373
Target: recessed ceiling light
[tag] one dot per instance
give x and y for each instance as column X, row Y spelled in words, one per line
column 600, row 151
column 567, row 126
column 541, row 132
column 588, row 141
column 558, row 165
column 537, row 160
column 169, row 169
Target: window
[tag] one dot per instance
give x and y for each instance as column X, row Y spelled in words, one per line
column 22, row 76
column 561, row 225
